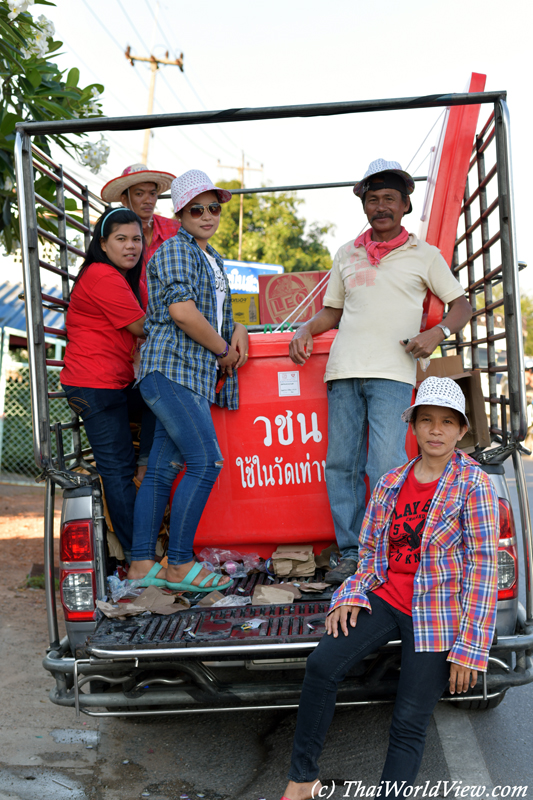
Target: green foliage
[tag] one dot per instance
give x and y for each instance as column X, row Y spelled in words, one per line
column 33, row 88
column 37, row 582
column 526, row 303
column 273, row 233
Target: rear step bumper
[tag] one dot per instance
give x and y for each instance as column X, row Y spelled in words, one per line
column 203, row 692
column 245, row 697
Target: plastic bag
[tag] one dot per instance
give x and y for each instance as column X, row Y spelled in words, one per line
column 233, row 563
column 118, row 589
column 232, row 600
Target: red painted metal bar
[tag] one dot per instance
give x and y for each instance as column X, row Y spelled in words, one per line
column 450, row 187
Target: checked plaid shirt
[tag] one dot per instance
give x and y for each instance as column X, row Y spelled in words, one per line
column 455, row 586
column 178, row 271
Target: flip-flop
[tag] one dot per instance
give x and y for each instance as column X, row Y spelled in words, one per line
column 150, row 577
column 188, row 586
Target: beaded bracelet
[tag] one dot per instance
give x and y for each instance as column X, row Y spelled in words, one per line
column 224, row 354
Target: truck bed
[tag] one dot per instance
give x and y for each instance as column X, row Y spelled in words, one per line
column 284, row 624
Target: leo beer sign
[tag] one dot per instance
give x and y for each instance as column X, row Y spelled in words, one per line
column 279, row 295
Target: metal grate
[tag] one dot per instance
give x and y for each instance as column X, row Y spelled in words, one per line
column 480, row 264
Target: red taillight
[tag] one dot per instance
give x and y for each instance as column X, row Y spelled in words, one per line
column 78, row 593
column 507, row 554
column 77, row 541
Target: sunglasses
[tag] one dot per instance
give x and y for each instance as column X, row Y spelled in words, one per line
column 197, row 211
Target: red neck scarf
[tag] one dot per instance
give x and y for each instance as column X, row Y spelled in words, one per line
column 375, row 251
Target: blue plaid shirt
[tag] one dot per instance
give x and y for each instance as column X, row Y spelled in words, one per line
column 178, row 271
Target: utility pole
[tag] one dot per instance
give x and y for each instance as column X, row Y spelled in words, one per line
column 154, row 66
column 241, row 208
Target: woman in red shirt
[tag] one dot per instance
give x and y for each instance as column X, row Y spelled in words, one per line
column 104, row 319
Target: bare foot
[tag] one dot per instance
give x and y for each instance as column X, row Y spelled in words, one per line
column 177, row 574
column 302, row 791
column 139, row 569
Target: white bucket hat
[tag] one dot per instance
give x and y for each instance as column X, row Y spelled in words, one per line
column 380, row 165
column 136, row 173
column 190, row 185
column 438, row 392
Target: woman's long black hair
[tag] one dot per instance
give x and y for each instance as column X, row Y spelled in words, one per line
column 95, row 254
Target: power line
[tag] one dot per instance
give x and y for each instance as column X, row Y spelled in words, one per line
column 425, row 138
column 99, row 21
column 424, row 159
column 128, row 17
column 189, row 82
column 162, row 32
column 200, row 126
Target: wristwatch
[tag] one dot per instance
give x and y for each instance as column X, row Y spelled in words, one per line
column 447, row 331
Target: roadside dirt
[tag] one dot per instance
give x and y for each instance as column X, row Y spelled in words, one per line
column 21, row 546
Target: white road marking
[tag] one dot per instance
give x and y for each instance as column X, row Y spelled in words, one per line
column 462, row 752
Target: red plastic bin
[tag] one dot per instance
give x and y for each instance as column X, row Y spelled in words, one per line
column 272, row 488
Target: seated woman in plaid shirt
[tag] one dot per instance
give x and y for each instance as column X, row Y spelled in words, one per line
column 427, row 575
column 192, row 342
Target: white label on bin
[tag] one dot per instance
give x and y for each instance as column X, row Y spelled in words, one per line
column 289, row 384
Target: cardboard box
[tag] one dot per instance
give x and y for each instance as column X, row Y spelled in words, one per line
column 279, row 295
column 470, row 383
column 246, row 308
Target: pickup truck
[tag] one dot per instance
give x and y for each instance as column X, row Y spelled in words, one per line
column 206, row 659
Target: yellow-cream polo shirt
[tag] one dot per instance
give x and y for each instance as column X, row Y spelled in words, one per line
column 381, row 305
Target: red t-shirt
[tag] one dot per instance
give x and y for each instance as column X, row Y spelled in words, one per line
column 100, row 350
column 405, row 535
column 163, row 229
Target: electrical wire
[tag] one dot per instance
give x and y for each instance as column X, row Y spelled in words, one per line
column 138, row 35
column 201, row 127
column 97, row 18
column 424, row 159
column 192, row 88
column 423, row 143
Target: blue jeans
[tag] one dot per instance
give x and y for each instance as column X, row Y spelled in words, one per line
column 107, row 414
column 358, row 407
column 184, row 435
column 423, row 678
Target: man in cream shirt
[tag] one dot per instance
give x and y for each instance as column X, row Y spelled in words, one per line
column 375, row 295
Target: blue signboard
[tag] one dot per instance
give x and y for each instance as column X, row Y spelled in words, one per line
column 242, row 275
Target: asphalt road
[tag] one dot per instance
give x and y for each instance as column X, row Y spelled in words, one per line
column 45, row 752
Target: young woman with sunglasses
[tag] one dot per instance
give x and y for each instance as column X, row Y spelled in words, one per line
column 105, row 317
column 192, row 346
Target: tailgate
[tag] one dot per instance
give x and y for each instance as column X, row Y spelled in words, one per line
column 204, row 631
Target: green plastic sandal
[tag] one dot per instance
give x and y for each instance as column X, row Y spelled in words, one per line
column 188, row 586
column 150, row 577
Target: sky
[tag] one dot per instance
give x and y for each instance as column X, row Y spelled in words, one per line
column 239, row 54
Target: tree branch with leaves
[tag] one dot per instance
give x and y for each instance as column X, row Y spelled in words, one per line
column 33, row 88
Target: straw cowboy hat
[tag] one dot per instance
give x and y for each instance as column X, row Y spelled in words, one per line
column 137, row 173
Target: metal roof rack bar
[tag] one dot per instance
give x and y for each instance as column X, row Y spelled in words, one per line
column 251, row 114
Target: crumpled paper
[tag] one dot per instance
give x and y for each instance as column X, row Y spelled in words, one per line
column 293, row 560
column 272, row 595
column 153, row 599
column 314, row 586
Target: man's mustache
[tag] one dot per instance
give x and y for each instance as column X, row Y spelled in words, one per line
column 381, row 216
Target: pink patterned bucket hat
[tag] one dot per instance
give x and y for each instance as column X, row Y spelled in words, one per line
column 190, row 185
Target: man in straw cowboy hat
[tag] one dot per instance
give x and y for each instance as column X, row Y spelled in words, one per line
column 138, row 189
column 428, row 575
column 375, row 295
